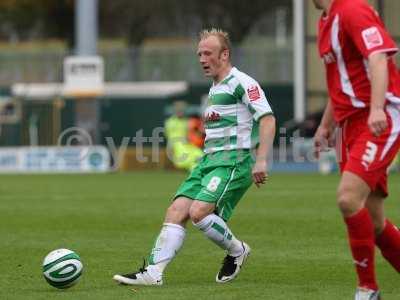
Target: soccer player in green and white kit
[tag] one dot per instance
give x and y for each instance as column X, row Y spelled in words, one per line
column 237, row 119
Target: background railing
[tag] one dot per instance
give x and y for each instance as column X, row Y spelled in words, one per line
column 263, row 60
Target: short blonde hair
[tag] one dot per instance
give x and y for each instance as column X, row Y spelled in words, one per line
column 221, row 35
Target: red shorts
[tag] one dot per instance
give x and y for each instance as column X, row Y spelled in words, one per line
column 368, row 156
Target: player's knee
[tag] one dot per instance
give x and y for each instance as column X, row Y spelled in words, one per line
column 176, row 214
column 197, row 213
column 348, row 201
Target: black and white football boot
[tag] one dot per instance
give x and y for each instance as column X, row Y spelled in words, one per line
column 145, row 276
column 231, row 265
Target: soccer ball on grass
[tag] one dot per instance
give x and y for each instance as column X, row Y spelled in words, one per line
column 62, row 268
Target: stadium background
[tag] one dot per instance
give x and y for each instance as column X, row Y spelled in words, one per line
column 98, row 215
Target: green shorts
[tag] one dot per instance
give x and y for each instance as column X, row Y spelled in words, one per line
column 220, row 178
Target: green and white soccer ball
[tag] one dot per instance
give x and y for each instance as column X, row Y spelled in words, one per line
column 62, row 268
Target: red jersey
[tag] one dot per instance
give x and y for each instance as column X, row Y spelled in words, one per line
column 347, row 36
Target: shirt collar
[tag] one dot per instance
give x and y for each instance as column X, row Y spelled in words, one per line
column 233, row 69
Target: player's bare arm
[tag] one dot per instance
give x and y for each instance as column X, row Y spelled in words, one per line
column 324, row 136
column 377, row 121
column 266, row 135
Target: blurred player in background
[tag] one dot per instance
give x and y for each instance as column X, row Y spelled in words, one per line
column 364, row 90
column 237, row 118
column 196, row 133
column 185, row 151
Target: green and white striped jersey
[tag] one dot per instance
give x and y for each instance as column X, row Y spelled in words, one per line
column 231, row 117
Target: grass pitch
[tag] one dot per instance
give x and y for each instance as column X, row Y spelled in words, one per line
column 292, row 224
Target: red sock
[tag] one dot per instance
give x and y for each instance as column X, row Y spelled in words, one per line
column 389, row 244
column 362, row 243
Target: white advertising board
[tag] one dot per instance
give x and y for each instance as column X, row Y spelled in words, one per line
column 83, row 76
column 68, row 159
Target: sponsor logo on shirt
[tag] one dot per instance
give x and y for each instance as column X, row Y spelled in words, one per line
column 254, row 93
column 212, row 117
column 372, row 37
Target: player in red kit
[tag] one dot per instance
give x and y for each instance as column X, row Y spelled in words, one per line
column 364, row 90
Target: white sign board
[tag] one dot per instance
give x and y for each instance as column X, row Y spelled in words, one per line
column 68, row 159
column 83, row 76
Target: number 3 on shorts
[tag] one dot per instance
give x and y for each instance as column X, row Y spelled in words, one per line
column 213, row 184
column 370, row 153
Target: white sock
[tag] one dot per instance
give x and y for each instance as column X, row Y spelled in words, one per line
column 217, row 231
column 167, row 245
